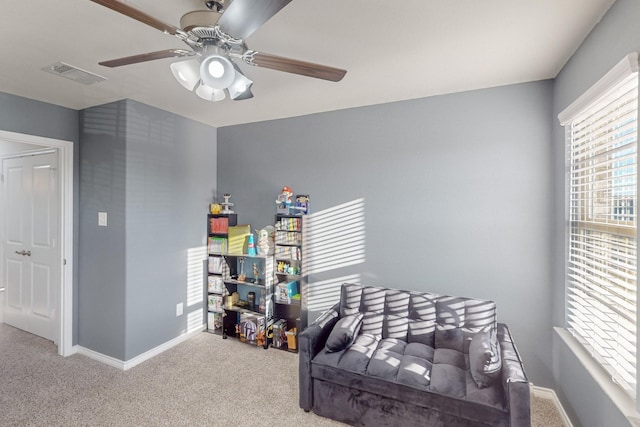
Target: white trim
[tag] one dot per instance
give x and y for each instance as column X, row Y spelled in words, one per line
column 27, row 153
column 65, row 303
column 622, row 69
column 102, row 358
column 123, row 366
column 548, row 393
column 618, row 396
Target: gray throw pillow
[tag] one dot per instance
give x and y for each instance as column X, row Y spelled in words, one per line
column 485, row 362
column 344, row 332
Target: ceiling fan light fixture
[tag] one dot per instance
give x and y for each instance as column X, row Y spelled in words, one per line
column 217, row 72
column 247, row 94
column 187, row 73
column 210, row 94
column 218, row 95
column 214, row 37
column 240, row 86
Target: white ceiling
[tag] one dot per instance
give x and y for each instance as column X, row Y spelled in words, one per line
column 391, row 50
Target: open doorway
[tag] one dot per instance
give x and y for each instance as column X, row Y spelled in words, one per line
column 21, row 144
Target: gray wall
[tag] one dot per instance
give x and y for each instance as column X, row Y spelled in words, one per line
column 454, row 192
column 171, row 177
column 102, row 257
column 615, row 36
column 31, row 117
column 153, row 173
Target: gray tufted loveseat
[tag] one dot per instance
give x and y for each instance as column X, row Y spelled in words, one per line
column 387, row 357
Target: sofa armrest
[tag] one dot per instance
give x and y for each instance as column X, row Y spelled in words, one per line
column 310, row 342
column 514, row 380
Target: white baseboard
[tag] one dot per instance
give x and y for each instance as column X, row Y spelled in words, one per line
column 547, row 393
column 102, row 358
column 122, row 365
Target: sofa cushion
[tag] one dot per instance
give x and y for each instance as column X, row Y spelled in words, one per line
column 344, row 332
column 403, row 367
column 421, row 331
column 484, row 358
column 449, row 380
column 394, row 326
column 413, row 316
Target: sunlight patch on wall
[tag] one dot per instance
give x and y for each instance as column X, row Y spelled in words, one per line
column 195, row 320
column 324, row 294
column 335, row 237
column 195, row 275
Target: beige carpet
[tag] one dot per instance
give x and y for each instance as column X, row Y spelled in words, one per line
column 206, row 381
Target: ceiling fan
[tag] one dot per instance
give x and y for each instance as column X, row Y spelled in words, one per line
column 216, row 38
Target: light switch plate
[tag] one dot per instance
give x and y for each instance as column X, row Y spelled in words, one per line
column 102, row 219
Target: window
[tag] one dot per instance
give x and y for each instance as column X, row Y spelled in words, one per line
column 601, row 129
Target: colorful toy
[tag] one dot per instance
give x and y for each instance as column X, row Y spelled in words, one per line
column 283, row 201
column 215, row 208
column 251, row 246
column 302, row 203
column 261, row 338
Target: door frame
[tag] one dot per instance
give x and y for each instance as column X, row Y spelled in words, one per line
column 65, row 294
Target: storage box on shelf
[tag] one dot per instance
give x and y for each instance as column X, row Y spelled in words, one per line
column 289, row 276
column 217, row 243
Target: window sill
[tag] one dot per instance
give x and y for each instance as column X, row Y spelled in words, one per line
column 622, row 400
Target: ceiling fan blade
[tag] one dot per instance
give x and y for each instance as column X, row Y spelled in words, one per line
column 138, row 15
column 143, row 57
column 294, row 66
column 242, row 17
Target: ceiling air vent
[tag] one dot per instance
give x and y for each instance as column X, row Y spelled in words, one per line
column 73, row 73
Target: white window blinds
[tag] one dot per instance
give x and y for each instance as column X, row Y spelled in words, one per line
column 602, row 275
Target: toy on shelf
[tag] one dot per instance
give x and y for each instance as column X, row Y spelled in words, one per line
column 286, row 206
column 226, row 205
column 266, row 240
column 215, row 208
column 302, row 204
column 256, row 273
column 251, row 246
column 283, row 201
column 241, row 277
column 286, row 268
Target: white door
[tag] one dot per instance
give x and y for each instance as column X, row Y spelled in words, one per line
column 30, row 243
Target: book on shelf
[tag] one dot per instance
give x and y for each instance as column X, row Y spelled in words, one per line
column 217, row 245
column 215, row 264
column 284, row 237
column 287, row 292
column 214, row 321
column 214, row 302
column 218, row 225
column 238, row 236
column 215, row 284
column 289, row 224
column 288, row 252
